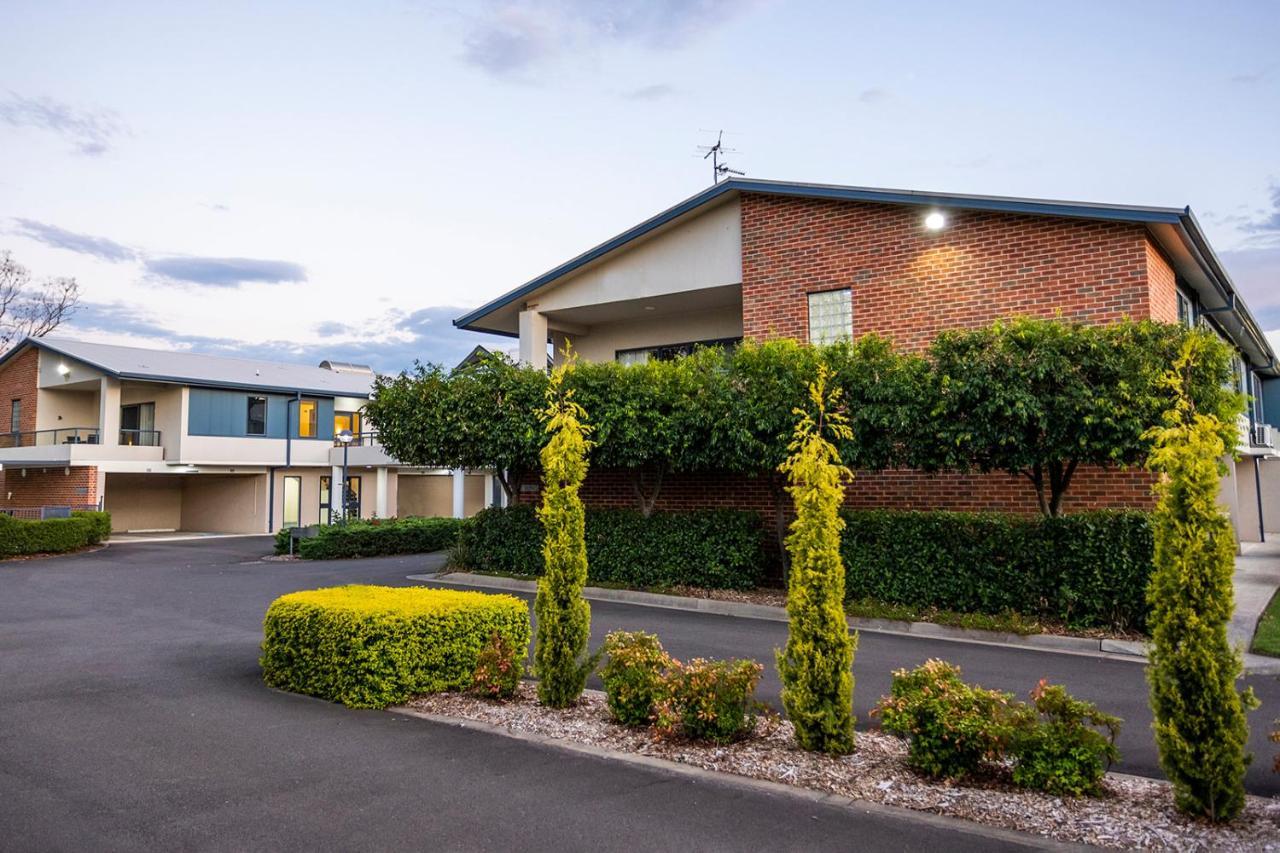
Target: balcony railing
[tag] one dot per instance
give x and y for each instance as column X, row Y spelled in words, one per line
column 140, row 437
column 368, row 438
column 50, row 437
column 77, row 435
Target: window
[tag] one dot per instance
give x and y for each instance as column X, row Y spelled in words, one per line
column 1185, row 315
column 669, row 352
column 15, row 415
column 830, row 316
column 307, row 412
column 292, row 502
column 346, row 420
column 256, row 423
column 353, row 497
column 138, row 425
column 326, row 511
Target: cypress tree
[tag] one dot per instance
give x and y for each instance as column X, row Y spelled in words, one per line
column 564, row 617
column 816, row 666
column 1200, row 724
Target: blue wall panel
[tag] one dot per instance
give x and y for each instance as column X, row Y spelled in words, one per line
column 226, row 413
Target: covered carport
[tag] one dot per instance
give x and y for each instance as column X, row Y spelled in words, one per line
column 196, row 503
column 431, row 495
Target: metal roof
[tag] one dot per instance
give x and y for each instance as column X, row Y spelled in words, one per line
column 1180, row 220
column 189, row 368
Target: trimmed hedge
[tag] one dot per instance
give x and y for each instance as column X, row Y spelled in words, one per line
column 1088, row 569
column 374, row 646
column 19, row 536
column 376, row 538
column 716, row 549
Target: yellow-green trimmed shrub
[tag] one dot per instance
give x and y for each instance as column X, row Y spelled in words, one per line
column 633, row 674
column 709, row 700
column 816, row 666
column 1200, row 724
column 374, row 646
column 564, row 617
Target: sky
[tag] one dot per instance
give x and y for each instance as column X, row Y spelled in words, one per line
column 337, row 180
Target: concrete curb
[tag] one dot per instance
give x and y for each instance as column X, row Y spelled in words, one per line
column 1121, row 650
column 953, row 824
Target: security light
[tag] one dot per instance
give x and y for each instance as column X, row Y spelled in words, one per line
column 935, row 221
column 63, row 370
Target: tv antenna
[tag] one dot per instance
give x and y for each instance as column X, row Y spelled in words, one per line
column 716, row 154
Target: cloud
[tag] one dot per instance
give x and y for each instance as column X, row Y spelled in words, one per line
column 510, row 37
column 390, row 345
column 1251, row 77
column 90, row 132
column 224, row 272
column 86, row 244
column 872, row 95
column 1256, row 272
column 650, row 93
column 1267, row 224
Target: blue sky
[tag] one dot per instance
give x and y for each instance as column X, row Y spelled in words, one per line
column 340, row 180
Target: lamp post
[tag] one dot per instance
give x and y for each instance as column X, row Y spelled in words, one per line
column 345, row 437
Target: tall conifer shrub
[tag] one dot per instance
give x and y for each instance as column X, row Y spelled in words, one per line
column 1200, row 724
column 816, row 666
column 564, row 617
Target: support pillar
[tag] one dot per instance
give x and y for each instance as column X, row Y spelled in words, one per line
column 380, row 493
column 533, row 339
column 459, row 493
column 109, row 411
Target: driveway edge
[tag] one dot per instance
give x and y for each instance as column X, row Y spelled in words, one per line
column 1123, row 650
column 953, row 824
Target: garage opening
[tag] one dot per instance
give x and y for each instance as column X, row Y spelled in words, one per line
column 187, row 503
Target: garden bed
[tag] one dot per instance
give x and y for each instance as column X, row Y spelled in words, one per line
column 1134, row 813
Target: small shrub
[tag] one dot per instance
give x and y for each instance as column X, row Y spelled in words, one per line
column 633, row 675
column 20, row 536
column 952, row 728
column 499, row 667
column 100, row 522
column 374, row 646
column 710, row 700
column 1058, row 748
column 380, row 538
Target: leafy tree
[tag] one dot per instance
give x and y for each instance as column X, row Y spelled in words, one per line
column 816, row 666
column 884, row 390
column 1040, row 398
column 1200, row 724
column 564, row 617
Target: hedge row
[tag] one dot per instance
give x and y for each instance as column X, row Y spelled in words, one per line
column 717, row 549
column 1088, row 569
column 375, row 538
column 374, row 646
column 20, row 536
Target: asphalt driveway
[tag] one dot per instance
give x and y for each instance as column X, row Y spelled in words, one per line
column 133, row 716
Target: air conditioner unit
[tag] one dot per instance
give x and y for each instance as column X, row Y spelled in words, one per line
column 1263, row 435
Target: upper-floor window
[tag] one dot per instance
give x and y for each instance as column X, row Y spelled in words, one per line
column 346, row 420
column 308, row 418
column 256, row 420
column 1185, row 315
column 15, row 415
column 667, row 352
column 830, row 316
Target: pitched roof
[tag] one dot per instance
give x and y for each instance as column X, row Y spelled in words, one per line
column 1176, row 229
column 189, row 368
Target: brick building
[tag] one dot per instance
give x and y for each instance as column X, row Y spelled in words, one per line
column 761, row 259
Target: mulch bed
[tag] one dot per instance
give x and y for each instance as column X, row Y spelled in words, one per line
column 1134, row 813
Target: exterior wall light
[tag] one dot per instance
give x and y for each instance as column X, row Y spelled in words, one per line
column 935, row 221
column 63, row 370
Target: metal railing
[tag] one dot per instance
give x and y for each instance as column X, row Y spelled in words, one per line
column 49, row 437
column 369, row 438
column 140, row 437
column 39, row 513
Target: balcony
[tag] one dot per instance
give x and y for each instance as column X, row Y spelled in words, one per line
column 363, row 449
column 65, row 445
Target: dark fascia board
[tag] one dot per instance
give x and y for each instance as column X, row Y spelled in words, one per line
column 1005, row 204
column 180, row 380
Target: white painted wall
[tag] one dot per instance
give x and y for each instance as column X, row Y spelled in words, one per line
column 603, row 341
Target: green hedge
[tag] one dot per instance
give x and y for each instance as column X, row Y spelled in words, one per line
column 376, row 538
column 372, row 646
column 1088, row 569
column 20, row 536
column 717, row 549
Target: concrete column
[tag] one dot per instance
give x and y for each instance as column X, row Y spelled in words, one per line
column 100, row 486
column 109, row 411
column 335, row 490
column 459, row 493
column 490, row 498
column 380, row 491
column 533, row 339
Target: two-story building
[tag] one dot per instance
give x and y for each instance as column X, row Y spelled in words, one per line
column 758, row 259
column 176, row 441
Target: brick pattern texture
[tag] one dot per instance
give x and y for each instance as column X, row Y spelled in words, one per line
column 909, row 283
column 77, row 487
column 18, row 381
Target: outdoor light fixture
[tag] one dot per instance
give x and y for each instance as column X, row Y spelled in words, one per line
column 63, row 370
column 935, row 221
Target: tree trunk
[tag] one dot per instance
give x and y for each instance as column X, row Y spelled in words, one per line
column 778, row 488
column 645, row 498
column 1036, row 476
column 1059, row 481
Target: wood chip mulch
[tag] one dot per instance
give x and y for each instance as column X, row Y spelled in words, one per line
column 1134, row 813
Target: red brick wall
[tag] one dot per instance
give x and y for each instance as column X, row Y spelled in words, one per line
column 18, row 380
column 76, row 486
column 909, row 283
